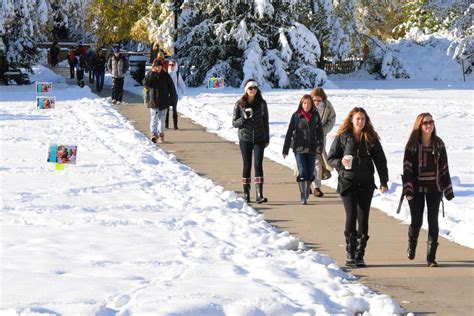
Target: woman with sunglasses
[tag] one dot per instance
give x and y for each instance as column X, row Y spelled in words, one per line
column 250, row 116
column 425, row 177
column 353, row 153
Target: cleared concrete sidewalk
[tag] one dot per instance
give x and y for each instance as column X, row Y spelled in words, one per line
column 446, row 290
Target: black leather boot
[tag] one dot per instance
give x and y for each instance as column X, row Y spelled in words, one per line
column 359, row 261
column 432, row 246
column 246, row 187
column 351, row 245
column 259, row 188
column 412, row 242
column 303, row 192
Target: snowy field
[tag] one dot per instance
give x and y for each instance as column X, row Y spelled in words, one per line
column 392, row 106
column 128, row 230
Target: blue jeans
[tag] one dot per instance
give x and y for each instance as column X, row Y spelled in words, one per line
column 306, row 163
column 99, row 80
column 246, row 149
column 157, row 121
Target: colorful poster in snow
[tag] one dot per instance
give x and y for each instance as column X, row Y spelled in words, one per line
column 45, row 102
column 44, row 87
column 215, row 83
column 64, row 154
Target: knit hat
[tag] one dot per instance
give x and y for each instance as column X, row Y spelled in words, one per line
column 157, row 63
column 116, row 49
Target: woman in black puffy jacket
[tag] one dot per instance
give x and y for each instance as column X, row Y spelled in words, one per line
column 251, row 118
column 305, row 136
column 353, row 153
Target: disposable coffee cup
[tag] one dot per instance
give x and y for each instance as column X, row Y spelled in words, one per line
column 349, row 158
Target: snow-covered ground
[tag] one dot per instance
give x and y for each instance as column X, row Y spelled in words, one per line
column 392, row 106
column 129, row 230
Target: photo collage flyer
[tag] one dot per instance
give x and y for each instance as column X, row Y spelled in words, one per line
column 45, row 102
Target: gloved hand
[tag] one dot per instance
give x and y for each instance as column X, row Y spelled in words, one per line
column 247, row 113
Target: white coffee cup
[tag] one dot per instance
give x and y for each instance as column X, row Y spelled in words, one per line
column 349, row 158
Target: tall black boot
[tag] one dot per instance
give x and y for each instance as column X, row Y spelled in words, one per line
column 303, row 192
column 259, row 188
column 359, row 261
column 246, row 187
column 432, row 246
column 351, row 245
column 412, row 242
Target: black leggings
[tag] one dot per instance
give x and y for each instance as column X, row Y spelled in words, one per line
column 357, row 200
column 246, row 149
column 175, row 115
column 417, row 207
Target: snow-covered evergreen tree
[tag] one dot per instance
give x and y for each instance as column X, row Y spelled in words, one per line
column 19, row 33
column 237, row 40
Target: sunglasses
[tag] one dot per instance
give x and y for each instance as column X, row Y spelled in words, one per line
column 252, row 88
column 172, row 64
column 427, row 122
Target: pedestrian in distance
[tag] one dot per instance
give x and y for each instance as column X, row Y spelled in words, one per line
column 354, row 151
column 71, row 59
column 54, row 51
column 98, row 64
column 425, row 178
column 90, row 63
column 81, row 65
column 328, row 119
column 173, row 71
column 117, row 65
column 305, row 137
column 159, row 94
column 250, row 116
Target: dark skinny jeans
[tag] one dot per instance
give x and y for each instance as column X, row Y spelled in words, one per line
column 246, row 149
column 99, row 80
column 357, row 200
column 306, row 163
column 417, row 207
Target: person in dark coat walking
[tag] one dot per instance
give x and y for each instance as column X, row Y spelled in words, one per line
column 425, row 177
column 72, row 61
column 54, row 54
column 159, row 94
column 98, row 64
column 250, row 116
column 353, row 154
column 90, row 63
column 118, row 66
column 305, row 136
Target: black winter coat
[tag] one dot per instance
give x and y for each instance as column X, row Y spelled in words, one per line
column 254, row 129
column 303, row 136
column 98, row 63
column 362, row 172
column 160, row 91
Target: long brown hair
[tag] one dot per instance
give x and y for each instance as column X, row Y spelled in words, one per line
column 245, row 98
column 310, row 99
column 368, row 132
column 415, row 135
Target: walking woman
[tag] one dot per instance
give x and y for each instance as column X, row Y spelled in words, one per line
column 305, row 137
column 328, row 119
column 251, row 118
column 353, row 153
column 425, row 177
